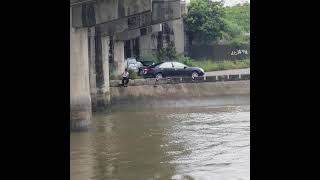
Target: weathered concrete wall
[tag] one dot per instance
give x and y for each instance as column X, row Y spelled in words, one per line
column 80, row 101
column 179, row 88
column 178, row 91
column 132, row 34
column 177, row 80
column 162, row 11
column 147, row 44
column 165, row 10
column 108, row 10
column 114, row 16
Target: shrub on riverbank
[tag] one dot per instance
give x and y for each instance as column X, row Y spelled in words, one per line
column 132, row 75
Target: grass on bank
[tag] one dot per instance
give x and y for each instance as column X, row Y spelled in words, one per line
column 209, row 65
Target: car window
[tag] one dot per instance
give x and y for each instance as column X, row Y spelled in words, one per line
column 166, row 65
column 147, row 63
column 155, row 65
column 178, row 65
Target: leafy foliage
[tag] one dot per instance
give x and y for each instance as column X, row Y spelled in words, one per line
column 208, row 21
column 204, row 20
column 149, row 57
column 132, row 74
column 237, row 20
column 167, row 54
column 239, row 15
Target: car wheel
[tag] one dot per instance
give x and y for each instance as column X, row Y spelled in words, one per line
column 159, row 76
column 194, row 74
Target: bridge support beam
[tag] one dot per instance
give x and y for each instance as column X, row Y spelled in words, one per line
column 80, row 100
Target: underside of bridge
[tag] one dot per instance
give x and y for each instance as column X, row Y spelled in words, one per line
column 99, row 31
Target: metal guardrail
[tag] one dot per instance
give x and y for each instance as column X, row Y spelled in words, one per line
column 230, row 60
column 178, row 80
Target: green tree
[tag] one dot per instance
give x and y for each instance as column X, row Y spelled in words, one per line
column 237, row 24
column 168, row 53
column 239, row 15
column 204, row 20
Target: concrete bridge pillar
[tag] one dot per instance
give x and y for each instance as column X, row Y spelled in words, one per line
column 92, row 68
column 178, row 38
column 118, row 52
column 80, row 100
column 105, row 90
column 102, row 69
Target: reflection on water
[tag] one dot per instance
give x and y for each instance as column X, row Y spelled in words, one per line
column 195, row 142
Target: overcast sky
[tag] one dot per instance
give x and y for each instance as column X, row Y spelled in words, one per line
column 230, row 2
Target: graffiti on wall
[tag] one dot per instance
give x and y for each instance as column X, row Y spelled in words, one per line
column 238, row 52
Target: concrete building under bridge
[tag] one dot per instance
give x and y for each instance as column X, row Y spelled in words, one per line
column 147, row 43
column 99, row 31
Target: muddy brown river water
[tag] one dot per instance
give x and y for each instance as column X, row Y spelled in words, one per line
column 204, row 139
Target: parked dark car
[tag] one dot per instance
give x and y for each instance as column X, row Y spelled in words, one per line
column 144, row 64
column 170, row 69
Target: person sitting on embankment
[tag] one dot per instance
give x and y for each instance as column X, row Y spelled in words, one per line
column 125, row 78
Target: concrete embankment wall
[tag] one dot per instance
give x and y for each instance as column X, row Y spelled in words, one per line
column 147, row 90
